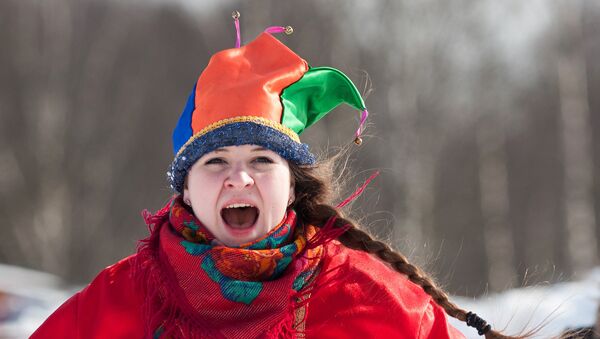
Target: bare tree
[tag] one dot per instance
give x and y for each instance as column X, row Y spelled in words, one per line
column 576, row 141
column 493, row 183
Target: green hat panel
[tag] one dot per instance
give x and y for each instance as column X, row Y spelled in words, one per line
column 320, row 90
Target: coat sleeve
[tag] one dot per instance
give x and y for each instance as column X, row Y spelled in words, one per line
column 62, row 323
column 109, row 307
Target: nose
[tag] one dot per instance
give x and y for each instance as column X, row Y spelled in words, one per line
column 239, row 178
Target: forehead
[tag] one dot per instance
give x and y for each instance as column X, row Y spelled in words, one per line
column 242, row 151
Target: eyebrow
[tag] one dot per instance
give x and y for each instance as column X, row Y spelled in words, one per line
column 219, row 150
column 258, row 149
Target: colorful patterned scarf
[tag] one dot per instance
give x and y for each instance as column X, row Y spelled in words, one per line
column 196, row 287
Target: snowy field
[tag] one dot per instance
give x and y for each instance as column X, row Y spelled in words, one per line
column 28, row 297
column 557, row 307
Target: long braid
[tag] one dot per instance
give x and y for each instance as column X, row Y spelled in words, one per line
column 313, row 195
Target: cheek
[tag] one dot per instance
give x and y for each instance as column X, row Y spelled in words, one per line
column 276, row 189
column 204, row 195
column 204, row 189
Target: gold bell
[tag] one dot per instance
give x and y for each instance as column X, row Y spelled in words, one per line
column 358, row 140
column 235, row 15
column 289, row 30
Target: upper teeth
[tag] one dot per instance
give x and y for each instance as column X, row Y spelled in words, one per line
column 238, row 205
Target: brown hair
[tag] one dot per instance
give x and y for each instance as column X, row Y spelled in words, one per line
column 314, row 191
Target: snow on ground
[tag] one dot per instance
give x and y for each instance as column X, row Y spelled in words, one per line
column 556, row 307
column 28, row 297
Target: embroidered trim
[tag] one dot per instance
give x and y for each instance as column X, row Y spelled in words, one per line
column 257, row 120
column 300, row 317
column 300, row 314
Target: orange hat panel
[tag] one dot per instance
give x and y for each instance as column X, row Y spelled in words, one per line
column 246, row 81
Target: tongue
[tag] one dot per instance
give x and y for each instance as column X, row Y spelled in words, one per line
column 243, row 217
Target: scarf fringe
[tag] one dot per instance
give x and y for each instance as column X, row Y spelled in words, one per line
column 153, row 220
column 284, row 329
column 358, row 191
column 327, row 233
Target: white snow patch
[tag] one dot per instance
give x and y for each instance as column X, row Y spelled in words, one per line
column 27, row 298
column 556, row 307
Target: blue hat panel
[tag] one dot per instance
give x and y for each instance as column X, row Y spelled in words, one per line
column 183, row 131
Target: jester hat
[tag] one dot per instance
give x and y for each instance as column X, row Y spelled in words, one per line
column 261, row 94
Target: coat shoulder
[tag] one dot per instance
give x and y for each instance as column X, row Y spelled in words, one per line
column 356, row 294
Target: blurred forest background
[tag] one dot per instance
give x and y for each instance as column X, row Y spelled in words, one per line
column 485, row 123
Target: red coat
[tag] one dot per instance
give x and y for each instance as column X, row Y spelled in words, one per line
column 371, row 301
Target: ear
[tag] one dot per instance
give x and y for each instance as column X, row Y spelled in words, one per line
column 292, row 197
column 186, row 195
column 186, row 192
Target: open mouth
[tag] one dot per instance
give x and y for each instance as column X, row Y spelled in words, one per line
column 240, row 216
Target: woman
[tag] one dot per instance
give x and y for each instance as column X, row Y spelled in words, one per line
column 250, row 246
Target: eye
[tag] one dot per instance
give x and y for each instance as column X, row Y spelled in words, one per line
column 215, row 161
column 263, row 160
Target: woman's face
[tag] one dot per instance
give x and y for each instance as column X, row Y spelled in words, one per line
column 239, row 193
